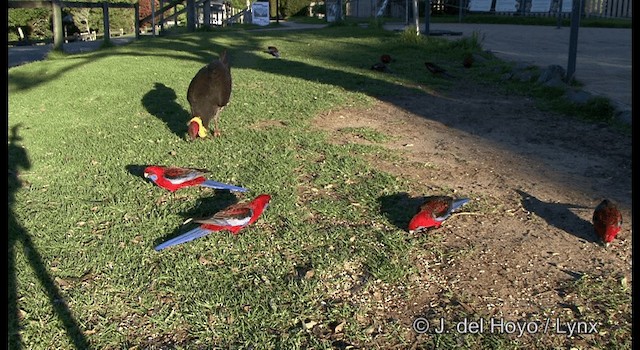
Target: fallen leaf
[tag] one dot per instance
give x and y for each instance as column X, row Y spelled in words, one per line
column 339, row 328
column 309, row 324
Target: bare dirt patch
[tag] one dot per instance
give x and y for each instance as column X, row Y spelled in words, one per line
column 534, row 178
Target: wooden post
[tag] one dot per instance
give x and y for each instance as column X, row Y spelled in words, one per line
column 191, row 15
column 406, row 12
column 175, row 16
column 58, row 35
column 573, row 40
column 153, row 17
column 136, row 10
column 207, row 13
column 105, row 19
column 559, row 13
column 278, row 10
column 427, row 16
column 416, row 16
column 162, row 16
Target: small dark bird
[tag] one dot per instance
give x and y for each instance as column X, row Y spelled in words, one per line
column 607, row 221
column 437, row 70
column 273, row 51
column 385, row 59
column 467, row 61
column 209, row 92
column 380, row 67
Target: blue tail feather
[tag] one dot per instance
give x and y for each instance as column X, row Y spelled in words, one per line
column 458, row 203
column 223, row 186
column 183, row 238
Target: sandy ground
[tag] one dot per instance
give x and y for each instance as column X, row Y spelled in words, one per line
column 534, row 179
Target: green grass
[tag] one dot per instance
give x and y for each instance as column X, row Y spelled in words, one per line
column 83, row 222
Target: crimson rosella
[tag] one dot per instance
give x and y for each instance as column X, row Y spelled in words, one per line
column 175, row 178
column 209, row 92
column 234, row 218
column 434, row 211
column 607, row 221
column 273, row 51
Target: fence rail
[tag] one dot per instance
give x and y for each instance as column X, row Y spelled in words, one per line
column 398, row 8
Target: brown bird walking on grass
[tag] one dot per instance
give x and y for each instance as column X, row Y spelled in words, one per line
column 209, row 92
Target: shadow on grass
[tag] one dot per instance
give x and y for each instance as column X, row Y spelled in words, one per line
column 161, row 103
column 137, row 169
column 19, row 160
column 399, row 208
column 205, row 207
column 559, row 215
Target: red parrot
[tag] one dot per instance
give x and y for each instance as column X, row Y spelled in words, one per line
column 208, row 94
column 234, row 218
column 273, row 51
column 175, row 178
column 434, row 211
column 607, row 221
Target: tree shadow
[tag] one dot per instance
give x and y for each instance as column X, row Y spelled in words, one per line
column 161, row 103
column 204, row 207
column 559, row 215
column 399, row 208
column 18, row 159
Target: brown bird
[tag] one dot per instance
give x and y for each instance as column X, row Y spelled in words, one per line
column 273, row 51
column 209, row 92
column 607, row 221
column 437, row 70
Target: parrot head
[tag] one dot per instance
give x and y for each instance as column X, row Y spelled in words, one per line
column 151, row 173
column 610, row 233
column 196, row 128
column 262, row 201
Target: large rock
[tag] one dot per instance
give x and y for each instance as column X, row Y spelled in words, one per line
column 578, row 96
column 552, row 72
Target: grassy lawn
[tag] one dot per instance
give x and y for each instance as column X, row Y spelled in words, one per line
column 83, row 222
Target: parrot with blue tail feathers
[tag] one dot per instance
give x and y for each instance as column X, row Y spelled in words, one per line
column 434, row 211
column 233, row 218
column 175, row 178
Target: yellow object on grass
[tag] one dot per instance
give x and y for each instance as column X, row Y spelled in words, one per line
column 202, row 132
